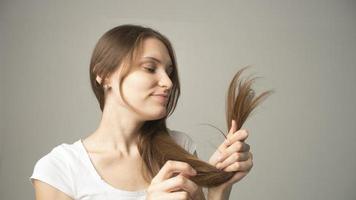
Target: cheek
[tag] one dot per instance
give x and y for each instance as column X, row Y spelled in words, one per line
column 138, row 87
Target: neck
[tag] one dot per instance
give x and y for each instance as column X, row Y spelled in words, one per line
column 118, row 131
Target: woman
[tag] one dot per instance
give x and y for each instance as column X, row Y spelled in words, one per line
column 132, row 154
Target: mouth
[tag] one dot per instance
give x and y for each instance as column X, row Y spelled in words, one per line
column 161, row 98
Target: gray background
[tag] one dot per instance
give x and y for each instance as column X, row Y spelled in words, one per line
column 303, row 137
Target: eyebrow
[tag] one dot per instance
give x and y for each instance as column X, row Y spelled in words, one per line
column 157, row 60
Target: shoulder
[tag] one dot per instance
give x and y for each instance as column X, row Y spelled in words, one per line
column 183, row 139
column 54, row 168
column 60, row 156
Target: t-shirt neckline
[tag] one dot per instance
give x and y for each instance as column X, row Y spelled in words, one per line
column 99, row 178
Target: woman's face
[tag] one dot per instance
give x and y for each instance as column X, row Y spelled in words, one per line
column 149, row 77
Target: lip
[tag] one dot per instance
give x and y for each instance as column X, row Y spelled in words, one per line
column 161, row 94
column 161, row 98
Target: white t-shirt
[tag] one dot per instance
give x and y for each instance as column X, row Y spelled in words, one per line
column 69, row 169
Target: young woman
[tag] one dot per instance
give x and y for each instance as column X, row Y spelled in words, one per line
column 132, row 154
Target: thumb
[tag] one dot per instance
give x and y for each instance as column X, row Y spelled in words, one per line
column 233, row 128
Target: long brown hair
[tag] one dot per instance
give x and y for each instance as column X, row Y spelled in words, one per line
column 124, row 43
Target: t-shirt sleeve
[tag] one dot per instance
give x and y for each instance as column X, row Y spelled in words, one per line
column 54, row 170
column 184, row 140
column 190, row 144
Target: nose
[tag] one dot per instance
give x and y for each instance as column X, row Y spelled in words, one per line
column 165, row 81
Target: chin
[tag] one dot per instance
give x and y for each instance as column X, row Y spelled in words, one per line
column 159, row 114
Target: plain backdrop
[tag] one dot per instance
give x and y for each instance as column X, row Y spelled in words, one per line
column 303, row 136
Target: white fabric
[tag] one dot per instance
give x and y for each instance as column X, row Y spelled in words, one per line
column 69, row 169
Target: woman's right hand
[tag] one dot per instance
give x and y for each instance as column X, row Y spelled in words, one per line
column 180, row 187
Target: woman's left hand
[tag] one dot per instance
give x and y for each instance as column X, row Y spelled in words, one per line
column 233, row 155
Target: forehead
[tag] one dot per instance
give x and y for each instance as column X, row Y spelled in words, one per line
column 154, row 49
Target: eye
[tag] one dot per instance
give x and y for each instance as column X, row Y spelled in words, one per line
column 150, row 69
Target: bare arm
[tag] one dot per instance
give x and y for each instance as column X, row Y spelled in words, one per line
column 44, row 191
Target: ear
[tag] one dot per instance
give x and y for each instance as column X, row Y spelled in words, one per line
column 98, row 79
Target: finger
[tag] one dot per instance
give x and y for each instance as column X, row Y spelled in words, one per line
column 235, row 157
column 171, row 167
column 239, row 146
column 220, row 149
column 240, row 135
column 246, row 147
column 239, row 166
column 236, row 147
column 247, row 134
column 226, row 142
column 177, row 195
column 215, row 158
column 243, row 156
column 177, row 183
column 171, row 196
